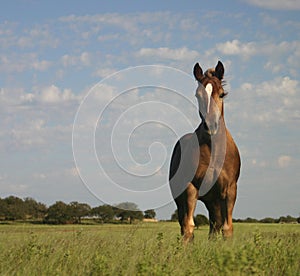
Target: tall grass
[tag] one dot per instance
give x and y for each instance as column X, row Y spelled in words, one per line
column 147, row 249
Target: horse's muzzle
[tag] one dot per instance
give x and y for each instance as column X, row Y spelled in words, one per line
column 211, row 128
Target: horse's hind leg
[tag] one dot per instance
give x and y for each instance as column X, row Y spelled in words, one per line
column 215, row 217
column 181, row 209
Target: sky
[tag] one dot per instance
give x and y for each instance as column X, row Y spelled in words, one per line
column 94, row 95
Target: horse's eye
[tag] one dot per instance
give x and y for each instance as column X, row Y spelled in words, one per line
column 222, row 95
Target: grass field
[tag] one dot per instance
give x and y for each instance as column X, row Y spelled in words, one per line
column 147, row 249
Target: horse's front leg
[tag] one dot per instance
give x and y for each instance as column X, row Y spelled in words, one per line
column 188, row 221
column 229, row 204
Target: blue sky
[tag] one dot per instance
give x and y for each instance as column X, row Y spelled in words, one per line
column 53, row 53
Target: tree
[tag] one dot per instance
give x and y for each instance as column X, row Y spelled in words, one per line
column 3, row 209
column 58, row 213
column 250, row 220
column 287, row 219
column 267, row 220
column 128, row 211
column 105, row 213
column 78, row 210
column 14, row 208
column 149, row 214
column 174, row 216
column 34, row 209
column 200, row 220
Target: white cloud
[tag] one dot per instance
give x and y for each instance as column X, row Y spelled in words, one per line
column 37, row 134
column 48, row 95
column 131, row 23
column 273, row 67
column 30, row 134
column 40, row 35
column 126, row 22
column 284, row 86
column 41, row 65
column 179, row 54
column 21, row 62
column 276, row 4
column 287, row 50
column 68, row 60
column 8, row 66
column 53, row 94
column 38, row 120
column 235, row 47
column 12, row 35
column 84, row 59
column 10, row 96
column 267, row 102
column 104, row 93
column 284, row 161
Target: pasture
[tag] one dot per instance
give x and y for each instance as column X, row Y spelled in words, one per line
column 147, row 249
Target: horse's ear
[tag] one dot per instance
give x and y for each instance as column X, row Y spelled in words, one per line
column 198, row 73
column 219, row 70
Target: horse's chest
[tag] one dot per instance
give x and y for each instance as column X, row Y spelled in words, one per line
column 207, row 172
column 204, row 158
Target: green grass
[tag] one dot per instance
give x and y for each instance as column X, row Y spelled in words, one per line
column 147, row 249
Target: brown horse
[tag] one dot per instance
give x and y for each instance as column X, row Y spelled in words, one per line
column 205, row 165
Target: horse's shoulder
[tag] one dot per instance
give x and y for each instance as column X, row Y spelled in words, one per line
column 231, row 143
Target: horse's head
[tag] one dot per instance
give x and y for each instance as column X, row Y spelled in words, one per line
column 210, row 94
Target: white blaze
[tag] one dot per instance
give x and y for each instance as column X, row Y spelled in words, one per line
column 208, row 90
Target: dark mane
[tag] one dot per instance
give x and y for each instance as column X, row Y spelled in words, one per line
column 210, row 73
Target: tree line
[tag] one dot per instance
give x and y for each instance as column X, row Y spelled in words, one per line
column 28, row 209
column 202, row 220
column 13, row 208
column 282, row 219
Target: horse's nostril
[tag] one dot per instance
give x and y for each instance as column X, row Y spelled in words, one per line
column 211, row 128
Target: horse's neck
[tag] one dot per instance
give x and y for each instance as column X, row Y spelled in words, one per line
column 217, row 145
column 203, row 136
column 205, row 139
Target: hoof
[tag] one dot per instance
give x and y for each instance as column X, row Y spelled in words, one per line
column 188, row 238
